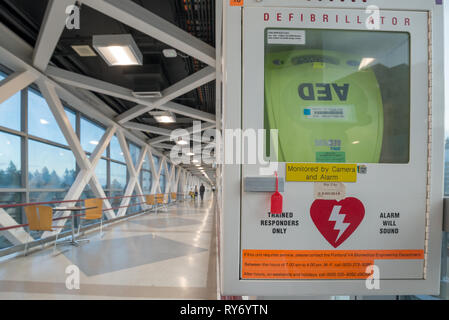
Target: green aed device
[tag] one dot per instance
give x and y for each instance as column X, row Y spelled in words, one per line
column 326, row 105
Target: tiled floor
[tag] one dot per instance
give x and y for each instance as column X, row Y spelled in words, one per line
column 168, row 255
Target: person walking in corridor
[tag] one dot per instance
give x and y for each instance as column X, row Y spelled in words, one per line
column 202, row 190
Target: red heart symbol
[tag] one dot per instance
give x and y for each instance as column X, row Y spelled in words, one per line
column 337, row 220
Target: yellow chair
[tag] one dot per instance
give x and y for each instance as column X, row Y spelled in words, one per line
column 173, row 196
column 150, row 200
column 40, row 218
column 94, row 213
column 160, row 197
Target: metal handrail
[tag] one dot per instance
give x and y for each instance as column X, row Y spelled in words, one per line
column 63, row 234
column 70, row 201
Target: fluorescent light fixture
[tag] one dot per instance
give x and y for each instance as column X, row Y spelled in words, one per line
column 118, row 50
column 366, row 62
column 169, row 53
column 95, row 143
column 190, row 154
column 164, row 116
column 195, row 161
column 147, row 94
column 43, row 121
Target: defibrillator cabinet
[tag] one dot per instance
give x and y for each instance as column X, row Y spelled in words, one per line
column 349, row 98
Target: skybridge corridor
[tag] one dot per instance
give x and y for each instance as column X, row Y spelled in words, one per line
column 165, row 255
column 224, row 150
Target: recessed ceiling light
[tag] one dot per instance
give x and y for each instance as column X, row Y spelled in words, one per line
column 147, row 94
column 190, row 154
column 169, row 53
column 94, row 142
column 164, row 116
column 84, row 51
column 118, row 50
column 43, row 121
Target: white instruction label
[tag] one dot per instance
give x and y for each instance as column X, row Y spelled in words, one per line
column 285, row 36
column 344, row 113
column 330, row 191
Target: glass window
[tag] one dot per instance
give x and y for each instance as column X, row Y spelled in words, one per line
column 10, row 110
column 156, row 163
column 41, row 122
column 91, row 135
column 47, row 196
column 101, row 171
column 146, row 182
column 334, row 94
column 12, row 198
column 116, row 151
column 135, row 205
column 10, row 164
column 115, row 199
column 169, row 168
column 118, row 177
column 135, row 152
column 4, row 243
column 146, row 163
column 162, row 183
column 50, row 167
column 15, row 213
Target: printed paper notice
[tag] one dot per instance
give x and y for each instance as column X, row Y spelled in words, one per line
column 285, row 36
column 330, row 191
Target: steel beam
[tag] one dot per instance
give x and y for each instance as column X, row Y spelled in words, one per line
column 15, row 236
column 14, row 83
column 147, row 128
column 143, row 105
column 133, row 173
column 193, row 81
column 139, row 18
column 190, row 131
column 50, row 32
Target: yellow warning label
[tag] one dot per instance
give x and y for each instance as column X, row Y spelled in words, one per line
column 318, row 172
column 237, row 3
